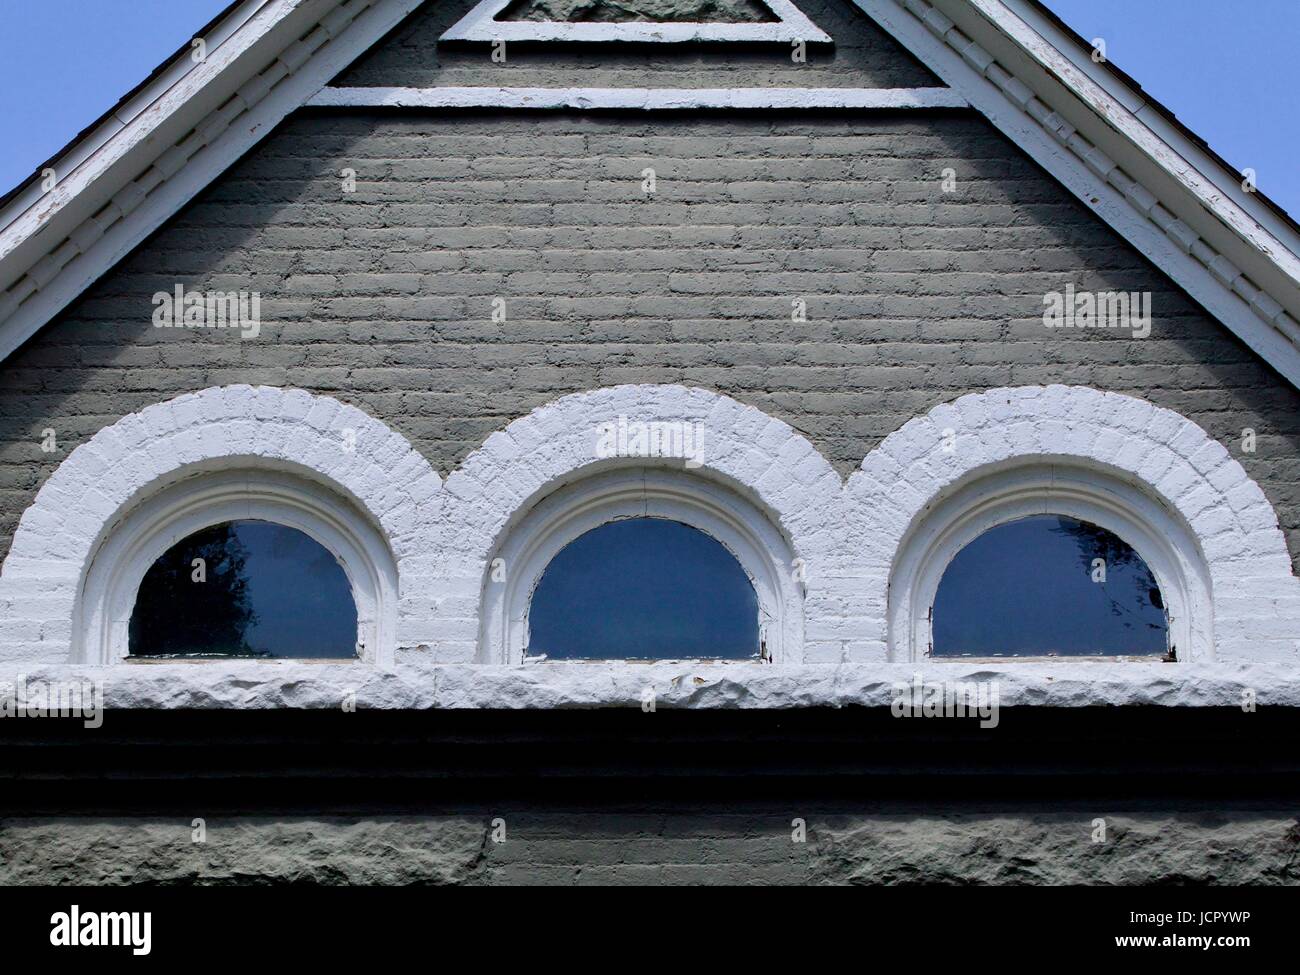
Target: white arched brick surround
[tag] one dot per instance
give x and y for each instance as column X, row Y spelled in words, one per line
column 1255, row 598
column 442, row 536
column 219, row 429
column 763, row 459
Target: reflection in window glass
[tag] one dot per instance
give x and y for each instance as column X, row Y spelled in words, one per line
column 245, row 589
column 644, row 588
column 1048, row 585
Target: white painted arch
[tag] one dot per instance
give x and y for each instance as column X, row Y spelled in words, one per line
column 1126, row 452
column 762, row 463
column 852, row 541
column 340, row 459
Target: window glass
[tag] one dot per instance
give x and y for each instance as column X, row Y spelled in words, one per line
column 245, row 589
column 1048, row 585
column 644, row 588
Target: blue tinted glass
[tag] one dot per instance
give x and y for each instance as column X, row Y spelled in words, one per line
column 644, row 588
column 1027, row 588
column 267, row 591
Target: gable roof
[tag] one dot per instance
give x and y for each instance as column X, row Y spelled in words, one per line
column 1121, row 153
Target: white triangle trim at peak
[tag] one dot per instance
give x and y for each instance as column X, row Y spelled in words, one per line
column 480, row 24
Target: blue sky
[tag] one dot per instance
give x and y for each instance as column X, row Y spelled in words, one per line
column 1228, row 70
column 112, row 45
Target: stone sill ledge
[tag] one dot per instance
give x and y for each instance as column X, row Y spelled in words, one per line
column 291, row 684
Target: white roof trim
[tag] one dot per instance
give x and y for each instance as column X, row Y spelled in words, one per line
column 85, row 162
column 1133, row 115
column 266, row 58
column 69, row 164
column 191, row 133
column 650, row 99
column 480, row 24
column 1188, row 236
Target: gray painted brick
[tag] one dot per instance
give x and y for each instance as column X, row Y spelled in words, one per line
column 383, row 297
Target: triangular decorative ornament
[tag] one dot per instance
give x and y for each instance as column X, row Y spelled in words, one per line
column 481, row 24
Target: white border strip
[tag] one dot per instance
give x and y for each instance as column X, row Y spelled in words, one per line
column 480, row 25
column 416, row 684
column 649, row 99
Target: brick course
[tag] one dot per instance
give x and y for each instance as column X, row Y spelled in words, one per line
column 383, row 297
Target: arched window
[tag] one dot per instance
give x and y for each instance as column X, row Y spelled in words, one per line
column 1049, row 560
column 246, row 563
column 641, row 563
column 245, row 589
column 1048, row 585
column 644, row 588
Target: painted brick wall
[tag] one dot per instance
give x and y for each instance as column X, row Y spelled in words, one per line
column 383, row 297
column 863, row 56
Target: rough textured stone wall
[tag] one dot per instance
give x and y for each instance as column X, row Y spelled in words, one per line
column 579, row 847
column 633, row 11
column 383, row 297
column 863, row 56
column 570, row 796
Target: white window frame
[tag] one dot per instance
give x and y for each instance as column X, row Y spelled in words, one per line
column 1164, row 543
column 480, row 24
column 176, row 512
column 571, row 511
